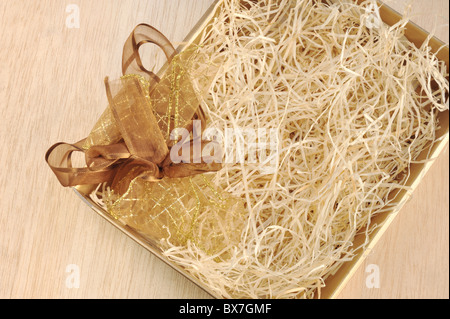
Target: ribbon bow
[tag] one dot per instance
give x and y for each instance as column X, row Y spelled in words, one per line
column 132, row 139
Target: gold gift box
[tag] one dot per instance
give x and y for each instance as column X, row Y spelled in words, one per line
column 334, row 284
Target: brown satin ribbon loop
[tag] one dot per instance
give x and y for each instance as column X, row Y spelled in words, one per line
column 131, row 60
column 59, row 158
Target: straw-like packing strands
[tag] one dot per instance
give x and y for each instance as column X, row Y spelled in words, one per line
column 343, row 97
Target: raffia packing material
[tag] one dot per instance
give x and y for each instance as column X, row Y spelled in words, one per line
column 334, row 283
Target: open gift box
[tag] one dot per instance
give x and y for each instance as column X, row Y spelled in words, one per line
column 335, row 282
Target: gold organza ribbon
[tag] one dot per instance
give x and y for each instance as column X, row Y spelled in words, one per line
column 127, row 154
column 132, row 137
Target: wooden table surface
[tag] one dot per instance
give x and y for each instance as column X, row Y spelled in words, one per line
column 51, row 90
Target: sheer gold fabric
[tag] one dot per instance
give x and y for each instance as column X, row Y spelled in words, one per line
column 128, row 152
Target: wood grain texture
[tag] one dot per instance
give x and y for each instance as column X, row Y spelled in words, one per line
column 51, row 89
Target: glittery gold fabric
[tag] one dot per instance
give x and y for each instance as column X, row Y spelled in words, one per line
column 173, row 101
column 182, row 211
column 128, row 154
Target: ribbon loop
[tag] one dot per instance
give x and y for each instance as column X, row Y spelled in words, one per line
column 131, row 60
column 135, row 120
column 59, row 159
